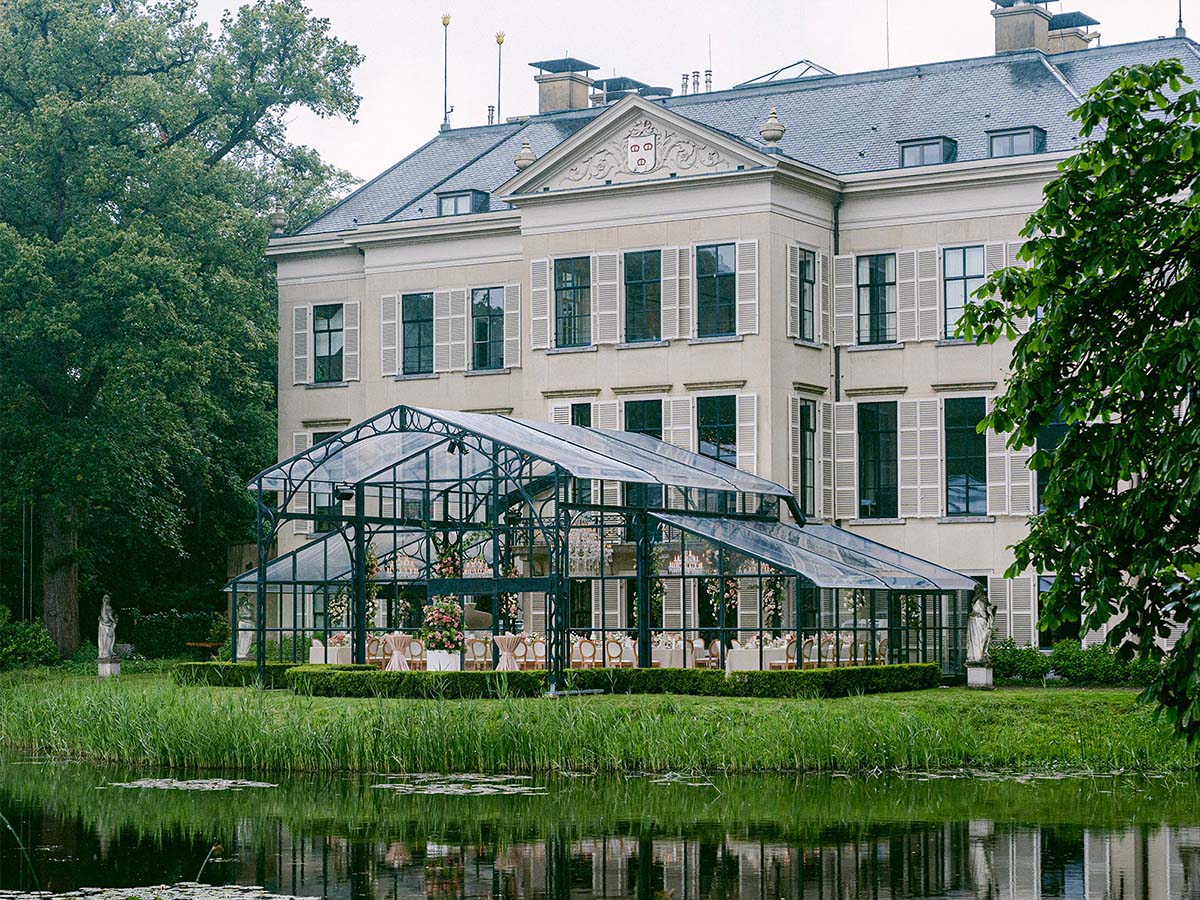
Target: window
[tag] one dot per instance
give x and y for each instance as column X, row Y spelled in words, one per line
column 877, row 299
column 716, row 290
column 928, row 152
column 716, row 426
column 962, row 272
column 416, row 315
column 1016, row 142
column 327, row 343
column 966, row 458
column 487, row 328
column 581, row 414
column 877, row 469
column 1064, row 631
column 573, row 301
column 643, row 297
column 324, row 507
column 808, row 287
column 643, row 417
column 808, row 457
column 461, row 203
column 1048, row 439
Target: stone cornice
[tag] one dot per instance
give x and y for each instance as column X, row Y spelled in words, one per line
column 733, row 384
column 642, row 389
column 805, row 387
column 1041, row 166
column 876, row 391
column 571, row 392
column 436, row 228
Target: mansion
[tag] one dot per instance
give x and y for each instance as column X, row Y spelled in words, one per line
column 769, row 275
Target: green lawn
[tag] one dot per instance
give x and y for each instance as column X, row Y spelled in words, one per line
column 147, row 719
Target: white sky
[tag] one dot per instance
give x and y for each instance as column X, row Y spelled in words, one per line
column 655, row 42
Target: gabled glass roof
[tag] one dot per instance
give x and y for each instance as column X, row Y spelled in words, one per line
column 327, row 558
column 827, row 556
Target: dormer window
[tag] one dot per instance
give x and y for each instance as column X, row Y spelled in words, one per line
column 462, row 203
column 927, row 152
column 1016, row 142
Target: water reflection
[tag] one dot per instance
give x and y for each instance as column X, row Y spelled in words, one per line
column 745, row 838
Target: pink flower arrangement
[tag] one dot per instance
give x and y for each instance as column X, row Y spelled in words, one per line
column 442, row 628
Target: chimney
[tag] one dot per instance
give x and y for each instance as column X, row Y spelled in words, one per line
column 1022, row 25
column 684, row 86
column 1071, row 31
column 562, row 84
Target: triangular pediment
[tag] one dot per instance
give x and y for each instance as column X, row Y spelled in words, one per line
column 635, row 141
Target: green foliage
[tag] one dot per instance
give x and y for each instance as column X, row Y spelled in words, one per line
column 841, row 682
column 1112, row 295
column 693, row 682
column 140, row 158
column 367, row 681
column 1025, row 665
column 24, row 644
column 1099, row 666
column 219, row 674
column 162, row 634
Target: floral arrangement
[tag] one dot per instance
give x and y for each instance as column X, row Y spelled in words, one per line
column 773, row 589
column 712, row 589
column 442, row 629
column 509, row 601
column 449, row 562
column 402, row 609
column 339, row 639
column 338, row 609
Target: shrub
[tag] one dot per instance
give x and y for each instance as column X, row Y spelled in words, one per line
column 225, row 674
column 367, row 681
column 166, row 633
column 1028, row 665
column 24, row 644
column 1098, row 666
column 694, row 682
column 840, row 682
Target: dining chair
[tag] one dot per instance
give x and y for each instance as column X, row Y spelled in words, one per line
column 828, row 651
column 614, row 652
column 702, row 659
column 789, row 657
column 881, row 651
column 539, row 653
column 809, row 655
column 846, row 650
column 587, row 654
column 375, row 652
column 477, row 655
column 416, row 655
column 521, row 652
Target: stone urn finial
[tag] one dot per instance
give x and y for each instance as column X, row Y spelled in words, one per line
column 772, row 130
column 525, row 157
column 278, row 219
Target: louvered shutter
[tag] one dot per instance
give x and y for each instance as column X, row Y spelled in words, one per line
column 606, row 415
column 1022, row 611
column 793, row 291
column 389, row 335
column 997, row 470
column 825, row 494
column 1013, row 248
column 995, row 256
column 997, row 588
column 824, row 323
column 906, row 296
column 747, row 433
column 794, row 445
column 929, row 503
column 677, row 431
column 746, row 284
column 458, row 329
column 441, row 331
column 301, row 441
column 606, row 272
column 843, row 300
column 908, row 415
column 684, row 292
column 301, row 344
column 560, row 413
column 1020, row 482
column 929, row 306
column 350, row 342
column 535, row 612
column 607, row 604
column 672, row 607
column 512, row 326
column 749, row 607
column 668, row 289
column 539, row 304
column 845, row 460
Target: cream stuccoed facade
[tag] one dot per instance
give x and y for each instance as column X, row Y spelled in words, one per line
column 819, row 353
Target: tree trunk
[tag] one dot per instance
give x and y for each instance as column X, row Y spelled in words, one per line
column 60, row 577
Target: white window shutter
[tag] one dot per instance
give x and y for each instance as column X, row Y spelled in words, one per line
column 441, row 331
column 301, row 441
column 669, row 294
column 606, row 415
column 672, row 607
column 997, row 470
column 539, row 304
column 906, row 296
column 560, row 413
column 1014, row 247
column 995, row 256
column 512, row 326
column 1022, row 614
column 677, row 421
column 608, row 610
column 825, row 494
column 929, row 503
column 824, row 311
column 793, row 291
column 350, row 341
column 747, row 433
column 301, row 344
column 389, row 335
column 794, row 460
column 845, row 460
column 997, row 588
column 458, row 329
column 685, row 292
column 606, row 271
column 746, row 283
column 535, row 612
column 749, row 607
column 929, row 293
column 843, row 300
column 908, row 416
column 1020, row 482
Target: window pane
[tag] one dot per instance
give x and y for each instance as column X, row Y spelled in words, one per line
column 327, row 343
column 416, row 336
column 716, row 290
column 966, row 457
column 487, row 317
column 716, row 421
column 877, row 468
column 573, row 301
column 954, row 263
column 974, row 260
column 643, row 309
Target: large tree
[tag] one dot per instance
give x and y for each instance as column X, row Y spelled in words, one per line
column 1112, row 359
column 139, row 158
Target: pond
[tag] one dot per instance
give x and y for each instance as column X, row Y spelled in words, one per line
column 576, row 836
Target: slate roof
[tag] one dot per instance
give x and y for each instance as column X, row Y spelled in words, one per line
column 842, row 124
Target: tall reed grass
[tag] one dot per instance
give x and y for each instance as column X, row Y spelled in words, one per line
column 148, row 720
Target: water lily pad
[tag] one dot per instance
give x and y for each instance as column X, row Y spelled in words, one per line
column 197, row 784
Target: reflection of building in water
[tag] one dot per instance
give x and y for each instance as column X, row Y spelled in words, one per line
column 979, row 860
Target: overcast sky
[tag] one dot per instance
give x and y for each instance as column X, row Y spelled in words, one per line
column 655, row 42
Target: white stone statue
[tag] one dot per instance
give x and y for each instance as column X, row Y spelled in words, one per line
column 245, row 637
column 106, row 637
column 979, row 628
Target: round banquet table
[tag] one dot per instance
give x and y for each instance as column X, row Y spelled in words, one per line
column 398, row 644
column 507, row 645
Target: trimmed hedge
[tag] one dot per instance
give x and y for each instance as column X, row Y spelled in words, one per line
column 226, row 674
column 840, row 682
column 367, row 681
column 1095, row 666
column 166, row 633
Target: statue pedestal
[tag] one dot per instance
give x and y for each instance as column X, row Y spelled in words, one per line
column 109, row 667
column 979, row 676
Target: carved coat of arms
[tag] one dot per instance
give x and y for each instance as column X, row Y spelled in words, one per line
column 641, row 147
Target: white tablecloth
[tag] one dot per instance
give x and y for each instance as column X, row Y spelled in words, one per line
column 745, row 659
column 334, row 656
